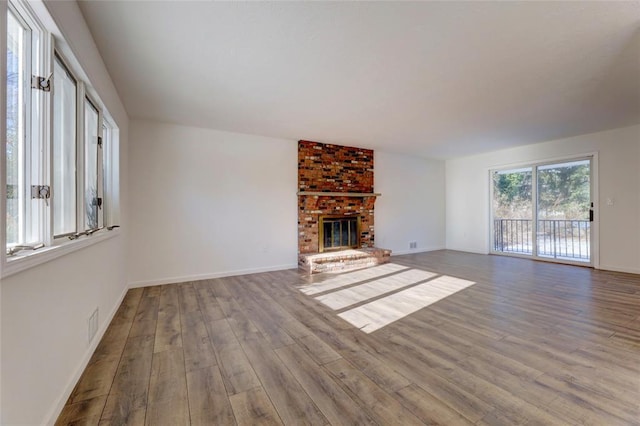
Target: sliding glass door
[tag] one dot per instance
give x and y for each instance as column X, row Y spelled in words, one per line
column 544, row 211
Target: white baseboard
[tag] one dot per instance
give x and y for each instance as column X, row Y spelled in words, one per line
column 418, row 250
column 212, row 275
column 467, row 250
column 619, row 269
column 57, row 407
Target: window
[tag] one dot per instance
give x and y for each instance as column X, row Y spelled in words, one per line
column 64, row 150
column 61, row 145
column 15, row 133
column 106, row 188
column 92, row 167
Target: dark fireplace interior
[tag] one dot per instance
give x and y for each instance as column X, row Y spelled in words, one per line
column 339, row 232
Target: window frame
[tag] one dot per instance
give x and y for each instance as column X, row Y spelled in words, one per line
column 35, row 149
column 49, row 44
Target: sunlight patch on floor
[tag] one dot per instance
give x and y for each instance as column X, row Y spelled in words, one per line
column 382, row 312
column 350, row 278
column 349, row 296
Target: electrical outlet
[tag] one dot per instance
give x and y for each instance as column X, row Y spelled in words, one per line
column 92, row 325
column 413, row 244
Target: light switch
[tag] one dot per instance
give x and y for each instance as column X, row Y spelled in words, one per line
column 610, row 201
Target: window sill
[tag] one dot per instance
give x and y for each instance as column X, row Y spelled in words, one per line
column 26, row 260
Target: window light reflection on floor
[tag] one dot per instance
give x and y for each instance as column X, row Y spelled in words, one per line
column 410, row 290
column 350, row 278
column 350, row 296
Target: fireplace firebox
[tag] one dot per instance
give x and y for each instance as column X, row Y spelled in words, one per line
column 339, row 232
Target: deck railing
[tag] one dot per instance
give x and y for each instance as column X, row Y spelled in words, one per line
column 566, row 239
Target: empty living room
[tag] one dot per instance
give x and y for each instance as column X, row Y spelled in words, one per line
column 323, row 213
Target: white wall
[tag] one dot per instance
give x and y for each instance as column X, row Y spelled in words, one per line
column 206, row 203
column 467, row 196
column 412, row 206
column 45, row 309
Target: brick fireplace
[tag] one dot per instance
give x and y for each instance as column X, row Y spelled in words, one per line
column 335, row 182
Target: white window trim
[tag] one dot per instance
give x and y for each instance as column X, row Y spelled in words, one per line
column 28, row 259
column 10, row 265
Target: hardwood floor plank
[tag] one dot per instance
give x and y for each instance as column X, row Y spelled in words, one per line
column 223, row 296
column 198, row 350
column 188, row 298
column 167, row 404
column 336, row 405
column 96, row 380
column 268, row 325
column 318, row 349
column 421, row 372
column 208, row 401
column 253, row 407
column 222, row 336
column 587, row 406
column 146, row 319
column 207, row 302
column 168, row 329
column 382, row 406
column 127, row 400
column 234, row 313
column 290, row 400
column 601, row 381
column 607, row 357
column 258, row 284
column 358, row 348
column 128, row 308
column 237, row 373
column 493, row 391
column 429, row 409
column 86, row 412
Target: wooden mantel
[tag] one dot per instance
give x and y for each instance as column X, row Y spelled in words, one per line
column 340, row 194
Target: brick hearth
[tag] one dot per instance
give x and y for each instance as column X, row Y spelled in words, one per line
column 344, row 260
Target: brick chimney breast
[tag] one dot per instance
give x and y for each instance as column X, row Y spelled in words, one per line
column 338, row 169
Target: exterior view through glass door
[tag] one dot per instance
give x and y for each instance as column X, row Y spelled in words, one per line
column 544, row 211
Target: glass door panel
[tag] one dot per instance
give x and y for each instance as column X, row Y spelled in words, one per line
column 563, row 211
column 513, row 211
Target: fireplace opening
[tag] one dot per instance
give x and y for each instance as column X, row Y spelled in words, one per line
column 339, row 232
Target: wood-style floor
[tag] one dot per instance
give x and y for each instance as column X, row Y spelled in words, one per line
column 487, row 340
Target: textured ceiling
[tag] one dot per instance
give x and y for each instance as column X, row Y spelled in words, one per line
column 435, row 79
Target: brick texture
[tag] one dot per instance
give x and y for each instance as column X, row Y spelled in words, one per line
column 333, row 168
